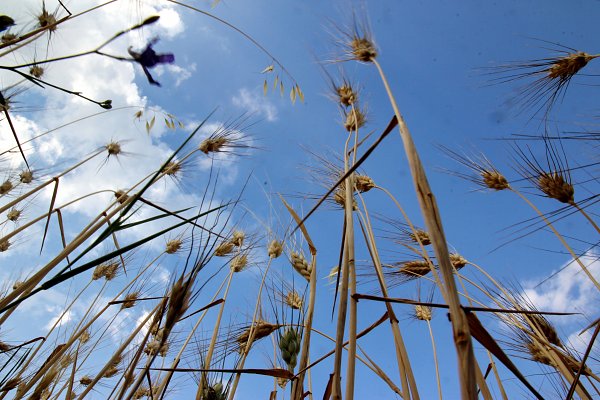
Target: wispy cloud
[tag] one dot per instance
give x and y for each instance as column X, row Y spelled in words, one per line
column 255, row 103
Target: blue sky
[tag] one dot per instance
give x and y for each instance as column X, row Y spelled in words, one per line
column 437, row 57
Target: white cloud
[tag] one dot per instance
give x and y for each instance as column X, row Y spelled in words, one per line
column 255, row 103
column 570, row 290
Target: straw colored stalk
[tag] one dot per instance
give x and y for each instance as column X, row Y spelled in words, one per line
column 117, row 355
column 82, row 330
column 433, row 222
column 257, row 329
column 351, row 182
column 407, row 379
column 213, row 340
column 297, row 390
column 165, row 381
column 369, row 363
column 31, row 357
column 36, row 278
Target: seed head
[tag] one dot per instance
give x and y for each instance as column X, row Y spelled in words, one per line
column 84, row 337
column 262, row 329
column 13, row 215
column 537, row 353
column 224, row 249
column 363, row 183
column 346, row 94
column 172, row 168
column 45, row 19
column 238, row 263
column 289, row 344
column 414, row 269
column 237, row 238
column 121, row 196
column 339, row 196
column 8, row 37
column 213, row 144
column 130, row 300
column 363, row 49
column 355, row 119
column 419, row 235
column 113, row 148
column 457, row 261
column 4, row 245
column 85, row 380
column 545, row 327
column 494, row 180
column 300, row 264
column 564, row 68
column 555, row 186
column 294, row 300
column 110, row 270
column 26, row 176
column 275, row 248
column 111, row 371
column 422, row 312
column 6, row 187
column 282, row 382
column 36, row 71
column 173, row 246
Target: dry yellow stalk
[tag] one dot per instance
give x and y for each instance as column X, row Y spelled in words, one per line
column 10, row 384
